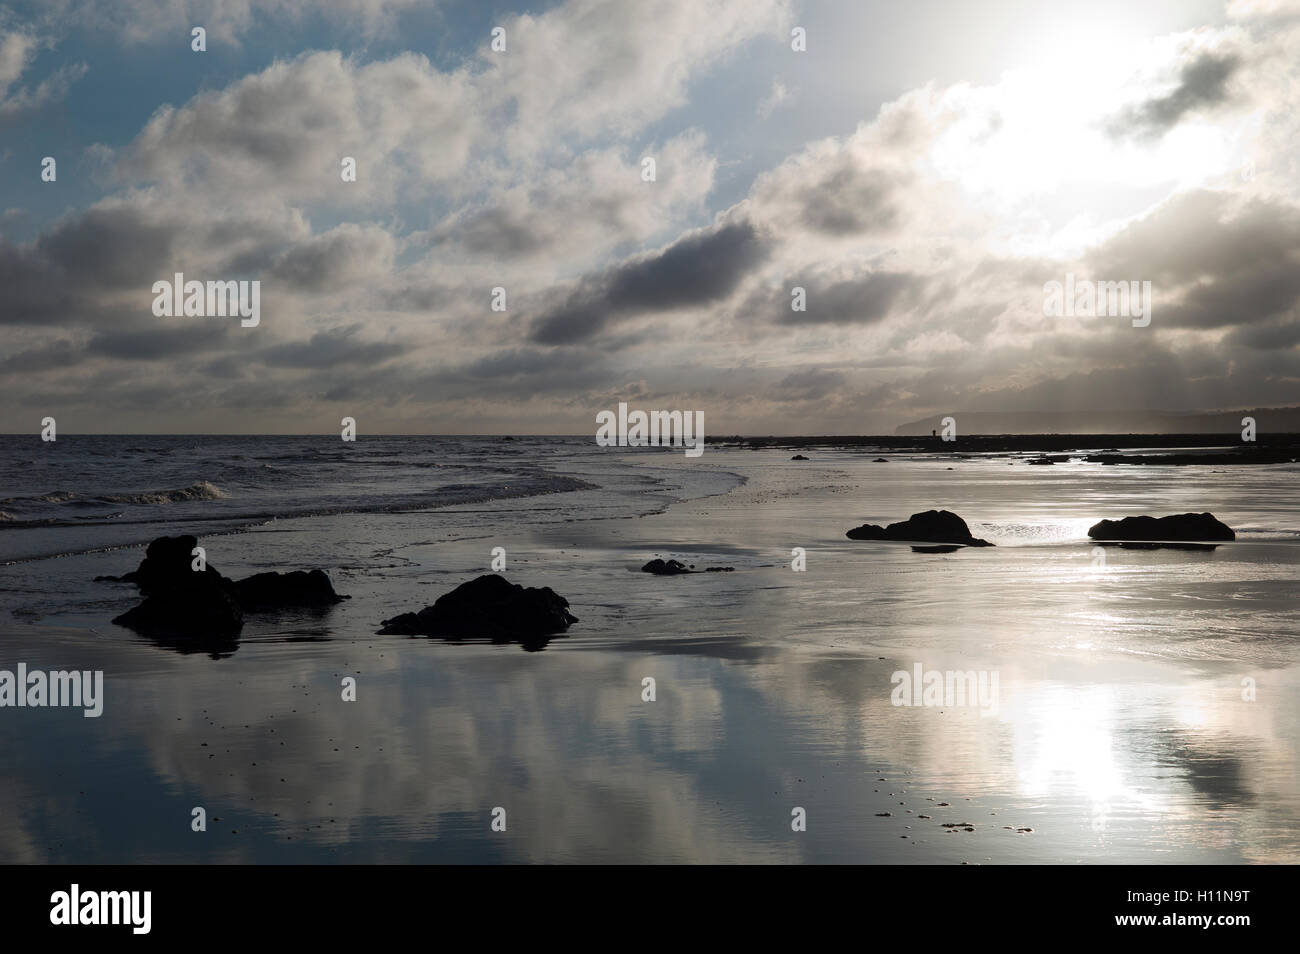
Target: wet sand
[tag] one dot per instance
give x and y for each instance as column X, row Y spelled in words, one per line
column 1120, row 734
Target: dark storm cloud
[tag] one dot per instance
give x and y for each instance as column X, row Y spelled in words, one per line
column 1242, row 298
column 509, row 364
column 703, row 267
column 34, row 291
column 109, row 248
column 151, row 344
column 61, row 278
column 1201, row 82
column 328, row 349
column 1217, row 264
column 1268, row 337
column 59, row 354
column 858, row 301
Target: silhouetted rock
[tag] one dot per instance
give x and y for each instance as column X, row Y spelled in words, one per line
column 938, row 548
column 272, row 591
column 798, row 457
column 168, row 562
column 182, row 603
column 674, row 568
column 1197, row 527
column 489, row 606
column 932, row 526
column 665, row 568
column 880, row 460
column 201, row 611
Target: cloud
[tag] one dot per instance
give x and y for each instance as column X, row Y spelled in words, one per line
column 343, row 256
column 1215, row 260
column 812, row 384
column 860, row 300
column 1202, row 82
column 586, row 67
column 286, row 130
column 17, row 51
column 1263, row 9
column 777, row 96
column 331, row 349
column 702, row 267
column 834, row 188
column 590, row 206
column 110, row 246
column 923, row 235
column 226, row 21
column 153, row 344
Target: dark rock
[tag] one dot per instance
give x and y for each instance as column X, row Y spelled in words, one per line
column 167, row 564
column 665, row 568
column 189, row 610
column 798, row 457
column 932, row 526
column 674, row 568
column 880, row 460
column 489, row 606
column 938, row 548
column 181, row 605
column 272, row 591
column 201, row 611
column 1041, row 461
column 1198, row 527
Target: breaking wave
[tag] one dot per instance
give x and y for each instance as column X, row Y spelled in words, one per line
column 202, row 490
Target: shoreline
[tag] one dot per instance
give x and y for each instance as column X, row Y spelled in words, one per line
column 1267, row 449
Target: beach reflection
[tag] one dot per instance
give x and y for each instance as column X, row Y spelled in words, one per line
column 710, row 771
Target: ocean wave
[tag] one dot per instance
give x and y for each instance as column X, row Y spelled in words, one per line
column 201, row 490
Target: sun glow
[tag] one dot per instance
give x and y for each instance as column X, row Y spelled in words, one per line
column 1055, row 152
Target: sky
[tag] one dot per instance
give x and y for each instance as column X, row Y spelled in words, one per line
column 921, row 171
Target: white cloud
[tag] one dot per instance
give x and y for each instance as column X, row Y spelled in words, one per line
column 17, row 50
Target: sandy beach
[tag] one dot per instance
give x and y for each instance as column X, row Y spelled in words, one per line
column 1119, row 732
